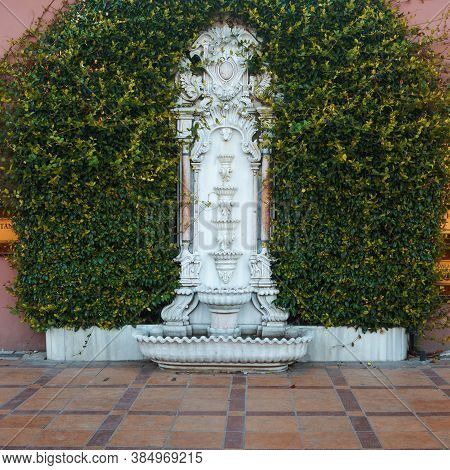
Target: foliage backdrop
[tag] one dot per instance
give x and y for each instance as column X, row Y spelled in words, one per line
column 358, row 159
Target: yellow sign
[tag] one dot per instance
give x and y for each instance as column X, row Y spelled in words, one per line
column 447, row 224
column 7, row 234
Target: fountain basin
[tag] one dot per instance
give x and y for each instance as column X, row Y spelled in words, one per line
column 223, row 354
column 224, row 297
column 224, row 306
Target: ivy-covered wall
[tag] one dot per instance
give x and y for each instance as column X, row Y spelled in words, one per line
column 358, row 163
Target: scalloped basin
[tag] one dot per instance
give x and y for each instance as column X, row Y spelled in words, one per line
column 224, row 354
column 230, row 297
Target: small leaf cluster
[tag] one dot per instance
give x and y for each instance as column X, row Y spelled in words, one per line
column 358, row 160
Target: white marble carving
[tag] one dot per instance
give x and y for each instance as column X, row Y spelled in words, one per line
column 224, row 353
column 226, row 279
column 190, row 265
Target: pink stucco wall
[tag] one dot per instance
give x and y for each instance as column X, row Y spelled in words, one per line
column 14, row 334
column 17, row 15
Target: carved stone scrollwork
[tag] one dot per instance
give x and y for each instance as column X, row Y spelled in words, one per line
column 225, row 92
column 269, row 312
column 177, row 313
column 191, row 85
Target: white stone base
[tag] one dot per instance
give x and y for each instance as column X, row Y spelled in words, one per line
column 93, row 344
column 347, row 345
column 327, row 345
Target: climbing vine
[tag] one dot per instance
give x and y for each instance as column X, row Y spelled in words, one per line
column 358, row 160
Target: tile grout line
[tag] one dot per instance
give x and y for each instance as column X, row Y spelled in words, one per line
column 235, row 402
column 366, row 435
column 392, row 391
column 434, row 377
column 293, row 387
column 100, row 431
column 103, row 435
column 409, row 408
column 230, row 387
column 338, row 378
column 244, row 429
column 175, row 417
column 43, row 379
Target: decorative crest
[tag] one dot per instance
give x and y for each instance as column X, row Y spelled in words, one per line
column 224, row 95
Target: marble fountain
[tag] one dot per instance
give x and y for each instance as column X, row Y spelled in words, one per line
column 223, row 316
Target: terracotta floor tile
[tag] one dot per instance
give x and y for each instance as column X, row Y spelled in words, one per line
column 76, row 422
column 262, row 404
column 196, row 440
column 7, row 393
column 96, row 399
column 325, row 423
column 271, row 424
column 44, row 404
column 159, row 422
column 202, row 379
column 363, row 377
column 268, row 381
column 95, row 393
column 430, row 405
column 75, row 376
column 156, row 404
column 330, row 440
column 50, row 393
column 17, row 436
column 59, row 438
column 162, row 392
column 408, row 440
column 443, row 372
column 272, row 440
column 22, row 375
column 116, row 375
column 311, row 377
column 194, row 404
column 207, row 393
column 435, row 423
column 29, row 421
column 395, row 423
column 168, row 378
column 269, row 394
column 95, row 404
column 378, row 400
column 407, row 377
column 422, row 394
column 200, row 423
column 444, row 436
column 137, row 438
column 60, row 392
column 317, row 400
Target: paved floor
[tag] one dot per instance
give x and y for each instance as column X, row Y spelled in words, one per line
column 136, row 405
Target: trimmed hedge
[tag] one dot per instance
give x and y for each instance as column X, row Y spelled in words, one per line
column 358, row 160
